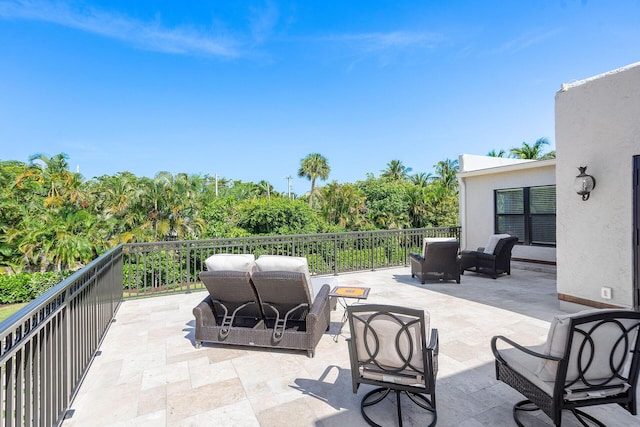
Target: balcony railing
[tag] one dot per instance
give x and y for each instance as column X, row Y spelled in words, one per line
column 47, row 347
column 170, row 267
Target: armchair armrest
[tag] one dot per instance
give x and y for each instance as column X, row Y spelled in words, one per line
column 496, row 353
column 434, row 342
column 488, row 257
column 203, row 312
column 416, row 256
column 318, row 307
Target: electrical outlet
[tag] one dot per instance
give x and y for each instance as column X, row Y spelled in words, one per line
column 605, row 293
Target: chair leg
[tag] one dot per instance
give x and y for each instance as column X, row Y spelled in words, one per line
column 523, row 405
column 418, row 399
column 581, row 416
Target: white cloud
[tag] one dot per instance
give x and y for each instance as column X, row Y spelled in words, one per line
column 383, row 47
column 144, row 35
column 527, row 40
column 375, row 42
column 263, row 21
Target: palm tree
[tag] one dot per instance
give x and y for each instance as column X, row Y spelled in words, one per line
column 312, row 167
column 550, row 155
column 446, row 171
column 417, row 205
column 494, row 153
column 421, row 179
column 343, row 205
column 396, row 171
column 533, row 152
column 265, row 188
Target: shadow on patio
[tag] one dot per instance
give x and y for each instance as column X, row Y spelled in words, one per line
column 149, row 372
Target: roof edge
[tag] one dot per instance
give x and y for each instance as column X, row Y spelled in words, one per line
column 566, row 86
column 509, row 168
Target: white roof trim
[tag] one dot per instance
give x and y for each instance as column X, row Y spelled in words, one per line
column 509, row 168
column 566, row 86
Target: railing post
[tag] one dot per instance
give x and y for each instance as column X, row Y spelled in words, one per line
column 335, row 254
column 68, row 354
column 189, row 276
column 373, row 255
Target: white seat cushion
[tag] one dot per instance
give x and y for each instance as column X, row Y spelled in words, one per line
column 493, row 242
column 527, row 365
column 230, row 262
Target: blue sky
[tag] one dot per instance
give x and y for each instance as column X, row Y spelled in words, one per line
column 246, row 89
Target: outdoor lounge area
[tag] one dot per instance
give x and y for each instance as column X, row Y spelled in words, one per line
column 149, row 371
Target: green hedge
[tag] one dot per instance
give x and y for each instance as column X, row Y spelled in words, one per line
column 24, row 287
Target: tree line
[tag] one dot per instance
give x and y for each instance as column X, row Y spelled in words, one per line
column 53, row 219
column 533, row 151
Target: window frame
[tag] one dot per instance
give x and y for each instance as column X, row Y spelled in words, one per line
column 526, row 215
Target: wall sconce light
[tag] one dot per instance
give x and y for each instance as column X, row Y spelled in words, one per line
column 584, row 183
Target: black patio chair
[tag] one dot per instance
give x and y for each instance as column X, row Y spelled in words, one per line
column 590, row 358
column 438, row 261
column 388, row 348
column 492, row 262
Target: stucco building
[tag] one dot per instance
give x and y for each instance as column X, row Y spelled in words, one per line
column 596, row 246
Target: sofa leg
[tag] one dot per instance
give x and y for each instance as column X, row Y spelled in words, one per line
column 198, row 344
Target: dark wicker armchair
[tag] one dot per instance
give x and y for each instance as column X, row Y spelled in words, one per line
column 388, row 348
column 590, row 358
column 439, row 260
column 494, row 262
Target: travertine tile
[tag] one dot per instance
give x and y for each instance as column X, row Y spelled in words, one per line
column 203, row 399
column 150, row 373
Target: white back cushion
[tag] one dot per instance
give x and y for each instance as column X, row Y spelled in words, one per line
column 604, row 339
column 285, row 263
column 427, row 240
column 230, row 262
column 387, row 330
column 493, row 241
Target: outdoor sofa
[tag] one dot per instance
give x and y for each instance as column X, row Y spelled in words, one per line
column 267, row 302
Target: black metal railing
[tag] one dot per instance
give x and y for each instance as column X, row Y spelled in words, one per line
column 47, row 347
column 174, row 266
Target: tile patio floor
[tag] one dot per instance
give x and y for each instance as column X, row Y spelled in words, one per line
column 150, row 374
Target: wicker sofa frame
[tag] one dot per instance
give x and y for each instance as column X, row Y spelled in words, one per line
column 246, row 318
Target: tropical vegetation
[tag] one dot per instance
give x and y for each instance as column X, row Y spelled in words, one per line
column 528, row 151
column 53, row 220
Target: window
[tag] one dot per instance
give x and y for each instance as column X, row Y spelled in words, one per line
column 529, row 213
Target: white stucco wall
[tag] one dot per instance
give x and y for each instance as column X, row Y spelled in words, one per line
column 476, row 200
column 598, row 126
